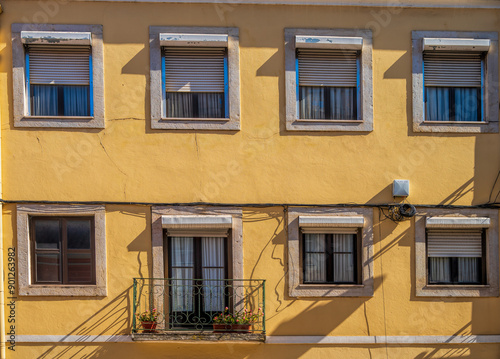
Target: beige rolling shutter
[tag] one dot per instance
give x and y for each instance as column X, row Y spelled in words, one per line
column 452, row 69
column 194, row 69
column 331, row 68
column 59, row 65
column 454, row 243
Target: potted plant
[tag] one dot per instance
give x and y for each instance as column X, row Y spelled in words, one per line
column 149, row 320
column 239, row 322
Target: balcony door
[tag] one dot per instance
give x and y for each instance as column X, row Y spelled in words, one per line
column 197, row 269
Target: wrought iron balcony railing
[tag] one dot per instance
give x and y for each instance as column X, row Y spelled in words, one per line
column 197, row 304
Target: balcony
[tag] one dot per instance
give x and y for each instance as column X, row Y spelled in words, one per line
column 187, row 309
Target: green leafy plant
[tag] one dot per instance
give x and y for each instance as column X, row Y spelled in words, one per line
column 148, row 316
column 244, row 317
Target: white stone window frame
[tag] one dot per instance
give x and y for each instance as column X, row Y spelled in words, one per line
column 21, row 115
column 459, row 218
column 490, row 101
column 26, row 288
column 202, row 215
column 158, row 119
column 296, row 287
column 293, row 123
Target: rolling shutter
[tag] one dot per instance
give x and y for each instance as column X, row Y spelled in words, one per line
column 454, row 243
column 452, row 69
column 330, row 68
column 194, row 69
column 59, row 65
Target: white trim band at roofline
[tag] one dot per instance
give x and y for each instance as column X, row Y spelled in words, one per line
column 467, row 4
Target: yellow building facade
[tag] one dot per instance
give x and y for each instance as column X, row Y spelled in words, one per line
column 258, row 177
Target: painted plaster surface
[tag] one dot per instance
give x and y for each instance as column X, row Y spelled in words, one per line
column 262, row 162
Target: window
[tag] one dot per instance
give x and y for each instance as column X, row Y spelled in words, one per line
column 194, row 78
column 198, row 249
column 328, row 84
column 456, row 253
column 61, row 250
column 455, row 256
column 329, row 80
column 58, row 80
column 329, row 252
column 195, row 82
column 58, row 75
column 454, row 82
column 204, row 259
column 330, row 257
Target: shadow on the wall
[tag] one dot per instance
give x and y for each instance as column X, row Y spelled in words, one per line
column 112, row 319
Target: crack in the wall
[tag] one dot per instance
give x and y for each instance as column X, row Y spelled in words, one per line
column 107, row 154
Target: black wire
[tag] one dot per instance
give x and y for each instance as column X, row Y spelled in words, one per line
column 370, row 205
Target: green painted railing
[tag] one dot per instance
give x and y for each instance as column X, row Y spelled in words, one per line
column 194, row 304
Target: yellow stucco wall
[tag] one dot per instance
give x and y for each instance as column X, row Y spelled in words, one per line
column 262, row 163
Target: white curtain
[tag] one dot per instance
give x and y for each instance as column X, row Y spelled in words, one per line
column 343, row 258
column 213, row 273
column 182, row 259
column 341, row 101
column 195, row 105
column 315, row 258
column 468, row 270
column 59, row 100
column 452, row 104
column 439, row 270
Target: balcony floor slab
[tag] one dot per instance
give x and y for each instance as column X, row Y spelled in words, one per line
column 197, row 336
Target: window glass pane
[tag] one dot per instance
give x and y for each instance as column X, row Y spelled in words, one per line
column 213, row 290
column 314, row 242
column 47, row 233
column 76, row 100
column 44, row 100
column 182, row 289
column 315, row 267
column 343, row 268
column 469, row 270
column 315, row 258
column 439, row 270
column 182, row 253
column 343, row 242
column 331, row 103
column 213, row 269
column 343, row 257
column 212, row 251
column 195, row 105
column 60, row 100
column 453, row 104
column 47, row 267
column 79, row 267
column 78, row 231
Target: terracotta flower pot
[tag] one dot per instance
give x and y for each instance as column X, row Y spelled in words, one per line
column 232, row 328
column 222, row 328
column 240, row 328
column 148, row 327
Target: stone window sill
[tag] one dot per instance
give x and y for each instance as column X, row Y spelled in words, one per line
column 60, row 122
column 197, row 336
column 63, row 291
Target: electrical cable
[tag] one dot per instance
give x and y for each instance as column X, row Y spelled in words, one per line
column 495, row 205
